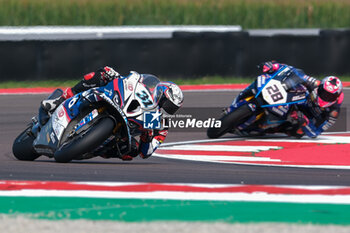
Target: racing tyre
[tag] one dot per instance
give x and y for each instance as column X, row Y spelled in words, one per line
column 230, row 121
column 22, row 147
column 87, row 142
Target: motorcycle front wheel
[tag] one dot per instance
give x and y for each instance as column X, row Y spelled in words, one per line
column 230, row 121
column 22, row 147
column 86, row 142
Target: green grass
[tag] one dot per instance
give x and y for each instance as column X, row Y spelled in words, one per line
column 247, row 13
column 145, row 210
column 72, row 82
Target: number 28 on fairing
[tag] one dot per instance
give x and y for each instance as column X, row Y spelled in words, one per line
column 274, row 93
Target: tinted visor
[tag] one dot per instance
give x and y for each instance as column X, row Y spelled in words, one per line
column 169, row 107
column 327, row 96
column 158, row 94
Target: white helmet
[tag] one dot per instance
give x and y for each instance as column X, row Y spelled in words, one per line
column 168, row 96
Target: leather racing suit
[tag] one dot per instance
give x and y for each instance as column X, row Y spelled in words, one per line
column 149, row 140
column 312, row 119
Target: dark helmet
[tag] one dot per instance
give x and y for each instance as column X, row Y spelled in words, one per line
column 329, row 91
column 168, row 96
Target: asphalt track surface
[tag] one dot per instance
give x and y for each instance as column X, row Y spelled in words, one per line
column 17, row 110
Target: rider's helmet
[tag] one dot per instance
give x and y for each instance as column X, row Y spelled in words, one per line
column 168, row 96
column 328, row 91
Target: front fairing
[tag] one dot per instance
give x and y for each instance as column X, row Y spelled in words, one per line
column 48, row 139
column 138, row 99
column 279, row 92
column 138, row 96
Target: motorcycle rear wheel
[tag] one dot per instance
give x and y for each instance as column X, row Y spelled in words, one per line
column 86, row 142
column 22, row 147
column 230, row 121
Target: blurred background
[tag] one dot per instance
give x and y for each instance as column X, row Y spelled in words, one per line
column 64, row 39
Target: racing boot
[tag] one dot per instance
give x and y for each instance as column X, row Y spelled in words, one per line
column 46, row 107
column 50, row 105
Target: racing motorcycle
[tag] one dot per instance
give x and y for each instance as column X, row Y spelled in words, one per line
column 97, row 122
column 269, row 109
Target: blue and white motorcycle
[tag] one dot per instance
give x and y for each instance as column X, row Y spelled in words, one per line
column 97, row 122
column 268, row 108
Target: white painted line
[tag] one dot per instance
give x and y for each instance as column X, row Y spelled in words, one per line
column 216, row 158
column 223, row 148
column 197, row 141
column 335, row 167
column 231, row 161
column 281, row 138
column 320, row 139
column 169, row 195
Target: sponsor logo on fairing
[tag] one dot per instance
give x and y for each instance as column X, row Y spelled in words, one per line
column 298, row 97
column 52, row 136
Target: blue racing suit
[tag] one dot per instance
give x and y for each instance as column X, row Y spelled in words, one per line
column 313, row 119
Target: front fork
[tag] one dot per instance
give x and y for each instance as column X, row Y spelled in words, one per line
column 253, row 107
column 236, row 104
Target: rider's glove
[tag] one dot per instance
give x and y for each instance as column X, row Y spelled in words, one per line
column 300, row 118
column 134, row 151
column 127, row 157
column 67, row 93
column 269, row 67
column 109, row 73
column 311, row 131
column 307, row 127
column 146, row 136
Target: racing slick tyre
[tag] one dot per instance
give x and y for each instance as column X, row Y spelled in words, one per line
column 85, row 142
column 22, row 147
column 229, row 121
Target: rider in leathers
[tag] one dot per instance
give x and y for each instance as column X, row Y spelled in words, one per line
column 149, row 139
column 322, row 108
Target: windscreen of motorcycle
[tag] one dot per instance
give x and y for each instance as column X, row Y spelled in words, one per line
column 274, row 93
column 150, row 81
